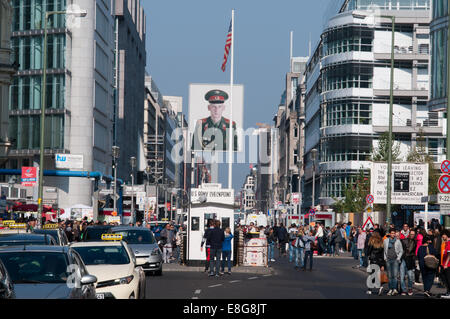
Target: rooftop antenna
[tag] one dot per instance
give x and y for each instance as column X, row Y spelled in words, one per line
column 309, row 53
column 291, row 51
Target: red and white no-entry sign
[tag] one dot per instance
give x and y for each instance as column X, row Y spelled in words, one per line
column 444, row 184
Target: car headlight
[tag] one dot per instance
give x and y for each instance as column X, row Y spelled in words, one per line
column 156, row 252
column 124, row 280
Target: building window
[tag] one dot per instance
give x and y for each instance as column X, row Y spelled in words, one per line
column 348, row 39
column 345, row 76
column 30, row 14
column 439, row 64
column 347, row 112
column 440, row 8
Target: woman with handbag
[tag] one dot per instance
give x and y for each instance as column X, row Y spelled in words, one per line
column 375, row 251
column 428, row 264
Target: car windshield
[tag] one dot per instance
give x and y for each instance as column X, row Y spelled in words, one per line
column 103, row 255
column 136, row 236
column 36, row 267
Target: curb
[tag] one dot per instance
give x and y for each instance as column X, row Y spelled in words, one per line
column 237, row 270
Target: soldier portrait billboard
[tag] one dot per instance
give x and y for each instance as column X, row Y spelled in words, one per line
column 209, row 117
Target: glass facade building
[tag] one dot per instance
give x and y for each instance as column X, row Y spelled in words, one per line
column 25, row 92
column 439, row 36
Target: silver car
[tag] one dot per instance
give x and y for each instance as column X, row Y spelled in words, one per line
column 144, row 245
column 43, row 272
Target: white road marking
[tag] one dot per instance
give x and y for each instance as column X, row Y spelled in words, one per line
column 197, row 292
column 194, row 297
column 232, row 282
column 215, row 286
column 251, row 278
column 267, row 275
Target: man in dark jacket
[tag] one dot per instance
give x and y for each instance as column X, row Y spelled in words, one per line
column 208, row 244
column 216, row 238
column 283, row 238
column 408, row 265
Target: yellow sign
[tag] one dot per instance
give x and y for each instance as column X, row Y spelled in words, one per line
column 369, row 210
column 112, row 237
column 18, row 226
column 8, row 222
column 50, row 226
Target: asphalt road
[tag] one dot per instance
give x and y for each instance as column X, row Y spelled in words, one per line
column 331, row 278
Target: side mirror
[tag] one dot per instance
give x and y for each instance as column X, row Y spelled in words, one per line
column 88, row 280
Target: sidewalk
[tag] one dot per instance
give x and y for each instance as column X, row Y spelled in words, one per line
column 237, row 269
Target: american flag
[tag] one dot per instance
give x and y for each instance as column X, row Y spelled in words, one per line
column 227, row 47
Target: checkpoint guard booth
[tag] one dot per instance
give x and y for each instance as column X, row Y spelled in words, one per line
column 210, row 201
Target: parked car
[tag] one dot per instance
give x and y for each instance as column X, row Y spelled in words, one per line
column 14, row 239
column 94, row 233
column 144, row 245
column 43, row 272
column 58, row 235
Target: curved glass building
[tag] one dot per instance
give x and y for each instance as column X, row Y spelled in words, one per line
column 348, row 91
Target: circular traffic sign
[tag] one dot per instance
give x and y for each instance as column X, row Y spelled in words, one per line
column 445, row 167
column 370, row 199
column 444, row 184
column 312, row 211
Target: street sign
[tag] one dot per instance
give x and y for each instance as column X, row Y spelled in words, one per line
column 409, row 181
column 368, row 223
column 401, row 182
column 370, row 199
column 29, row 176
column 445, row 167
column 443, row 199
column 444, row 184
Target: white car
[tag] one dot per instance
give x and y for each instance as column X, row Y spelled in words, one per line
column 114, row 265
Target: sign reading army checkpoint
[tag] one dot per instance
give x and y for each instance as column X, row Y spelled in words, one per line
column 409, row 183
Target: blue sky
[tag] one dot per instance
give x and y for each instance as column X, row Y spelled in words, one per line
column 186, row 40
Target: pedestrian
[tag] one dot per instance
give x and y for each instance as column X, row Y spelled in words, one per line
column 348, row 229
column 408, row 263
column 226, row 251
column 282, row 239
column 178, row 243
column 445, row 262
column 360, row 241
column 339, row 240
column 428, row 271
column 419, row 238
column 320, row 239
column 292, row 239
column 393, row 252
column 207, row 244
column 375, row 252
column 167, row 238
column 271, row 241
column 299, row 250
column 308, row 240
column 353, row 242
column 216, row 237
column 404, row 232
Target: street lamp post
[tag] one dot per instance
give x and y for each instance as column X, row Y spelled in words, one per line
column 148, row 170
column 391, row 111
column 80, row 14
column 313, row 158
column 115, row 155
column 133, row 165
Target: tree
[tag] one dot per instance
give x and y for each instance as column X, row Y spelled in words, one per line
column 381, row 153
column 355, row 193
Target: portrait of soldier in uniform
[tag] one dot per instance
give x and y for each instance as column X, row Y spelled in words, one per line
column 211, row 133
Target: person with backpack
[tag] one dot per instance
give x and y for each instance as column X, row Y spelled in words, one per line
column 428, row 264
column 216, row 237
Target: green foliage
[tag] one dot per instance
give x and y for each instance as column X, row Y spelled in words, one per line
column 419, row 155
column 381, row 153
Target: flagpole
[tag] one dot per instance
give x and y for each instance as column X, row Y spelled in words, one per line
column 231, row 139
